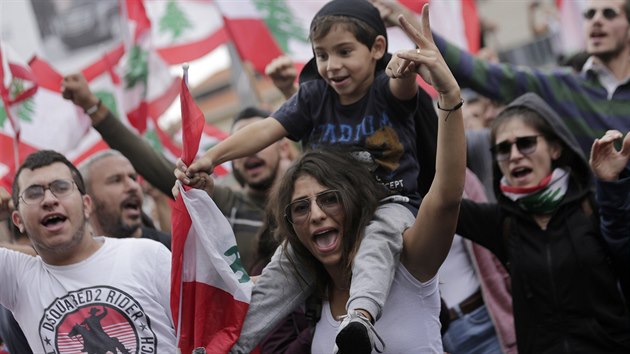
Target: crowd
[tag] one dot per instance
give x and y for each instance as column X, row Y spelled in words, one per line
column 493, row 218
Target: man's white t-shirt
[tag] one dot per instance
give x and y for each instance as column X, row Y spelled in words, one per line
column 410, row 322
column 117, row 298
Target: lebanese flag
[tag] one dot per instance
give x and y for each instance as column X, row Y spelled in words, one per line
column 61, row 131
column 17, row 86
column 185, row 30
column 249, row 33
column 7, row 163
column 88, row 146
column 210, row 288
column 107, row 85
column 149, row 88
column 162, row 142
column 457, row 21
column 210, row 136
column 51, row 131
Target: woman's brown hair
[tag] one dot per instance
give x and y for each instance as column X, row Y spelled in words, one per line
column 359, row 192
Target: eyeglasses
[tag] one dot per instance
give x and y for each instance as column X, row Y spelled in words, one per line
column 526, row 145
column 298, row 211
column 608, row 13
column 59, row 188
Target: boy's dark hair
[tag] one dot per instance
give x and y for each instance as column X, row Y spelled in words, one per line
column 360, row 17
column 41, row 159
column 363, row 32
column 357, row 9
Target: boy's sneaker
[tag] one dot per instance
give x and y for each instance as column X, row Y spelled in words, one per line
column 357, row 336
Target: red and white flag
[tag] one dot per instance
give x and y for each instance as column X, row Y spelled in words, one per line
column 210, row 288
column 17, row 86
column 7, row 163
column 457, row 21
column 210, row 136
column 185, row 30
column 149, row 87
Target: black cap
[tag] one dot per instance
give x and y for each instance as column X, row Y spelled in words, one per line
column 359, row 9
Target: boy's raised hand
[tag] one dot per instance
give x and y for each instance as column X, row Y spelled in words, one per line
column 426, row 60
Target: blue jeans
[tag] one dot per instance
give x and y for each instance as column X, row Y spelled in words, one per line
column 472, row 333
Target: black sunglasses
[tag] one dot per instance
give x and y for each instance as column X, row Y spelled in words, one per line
column 608, row 13
column 526, row 145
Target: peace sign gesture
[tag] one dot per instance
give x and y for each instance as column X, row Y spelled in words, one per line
column 426, row 60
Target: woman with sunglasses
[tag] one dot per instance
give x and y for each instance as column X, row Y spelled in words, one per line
column 322, row 206
column 564, row 289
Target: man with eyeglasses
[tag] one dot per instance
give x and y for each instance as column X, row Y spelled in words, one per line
column 76, row 272
column 590, row 102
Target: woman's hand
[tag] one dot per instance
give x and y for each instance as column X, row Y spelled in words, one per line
column 606, row 162
column 426, row 60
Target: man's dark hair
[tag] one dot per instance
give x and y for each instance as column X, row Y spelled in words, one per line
column 250, row 112
column 41, row 159
column 627, row 8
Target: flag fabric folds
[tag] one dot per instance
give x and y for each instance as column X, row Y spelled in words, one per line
column 185, row 30
column 210, row 289
column 17, row 84
column 149, row 87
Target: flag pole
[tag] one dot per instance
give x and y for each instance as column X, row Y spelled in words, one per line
column 185, row 67
column 243, row 79
column 16, row 153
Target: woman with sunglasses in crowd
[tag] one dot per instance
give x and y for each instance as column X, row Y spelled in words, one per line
column 544, row 229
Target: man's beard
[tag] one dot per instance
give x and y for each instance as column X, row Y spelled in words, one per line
column 264, row 184
column 112, row 223
column 609, row 55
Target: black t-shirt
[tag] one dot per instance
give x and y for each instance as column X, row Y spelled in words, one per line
column 379, row 129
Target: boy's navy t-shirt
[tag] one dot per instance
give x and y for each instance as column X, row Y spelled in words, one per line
column 379, row 129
